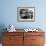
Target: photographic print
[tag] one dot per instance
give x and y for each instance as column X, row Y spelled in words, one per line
column 26, row 14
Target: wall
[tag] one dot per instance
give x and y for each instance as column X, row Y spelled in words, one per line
column 8, row 13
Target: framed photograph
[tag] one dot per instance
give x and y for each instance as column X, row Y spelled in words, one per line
column 25, row 14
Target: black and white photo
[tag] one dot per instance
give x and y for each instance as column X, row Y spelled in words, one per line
column 26, row 14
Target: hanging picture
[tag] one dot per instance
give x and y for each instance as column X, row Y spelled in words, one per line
column 26, row 14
